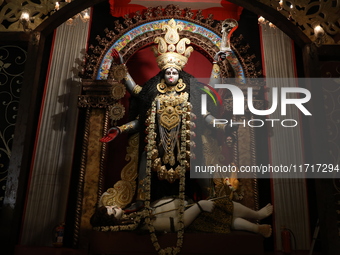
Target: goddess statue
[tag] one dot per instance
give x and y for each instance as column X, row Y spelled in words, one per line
column 164, row 113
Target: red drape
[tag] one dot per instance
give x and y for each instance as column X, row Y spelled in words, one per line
column 119, row 8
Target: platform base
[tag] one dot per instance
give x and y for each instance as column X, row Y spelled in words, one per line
column 237, row 243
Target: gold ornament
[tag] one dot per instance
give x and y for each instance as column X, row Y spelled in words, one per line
column 163, row 88
column 123, row 190
column 118, row 91
column 119, row 72
column 216, row 68
column 137, row 89
column 180, row 86
column 180, row 171
column 125, row 127
column 172, row 51
column 170, row 109
column 117, row 111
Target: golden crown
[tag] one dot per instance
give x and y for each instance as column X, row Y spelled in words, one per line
column 172, row 51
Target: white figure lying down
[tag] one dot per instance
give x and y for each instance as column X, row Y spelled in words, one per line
column 167, row 208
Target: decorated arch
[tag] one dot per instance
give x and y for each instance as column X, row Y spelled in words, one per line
column 203, row 38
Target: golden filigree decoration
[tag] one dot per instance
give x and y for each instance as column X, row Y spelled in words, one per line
column 118, row 91
column 119, row 72
column 95, row 101
column 10, row 13
column 307, row 14
column 123, row 191
column 170, row 110
column 117, row 111
column 304, row 13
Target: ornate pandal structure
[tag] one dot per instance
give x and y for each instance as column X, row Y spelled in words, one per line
column 303, row 13
column 307, row 14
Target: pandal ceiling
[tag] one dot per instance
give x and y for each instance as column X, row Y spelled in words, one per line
column 305, row 14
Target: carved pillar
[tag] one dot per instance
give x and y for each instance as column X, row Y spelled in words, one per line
column 96, row 100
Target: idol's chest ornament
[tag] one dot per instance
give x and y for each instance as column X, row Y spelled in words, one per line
column 172, row 111
column 169, row 105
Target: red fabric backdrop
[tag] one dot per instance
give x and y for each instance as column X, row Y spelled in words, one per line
column 119, row 8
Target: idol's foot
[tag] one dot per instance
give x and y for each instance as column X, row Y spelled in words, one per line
column 265, row 230
column 265, row 211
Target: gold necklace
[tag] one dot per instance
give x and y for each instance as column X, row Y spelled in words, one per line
column 163, row 88
column 150, row 146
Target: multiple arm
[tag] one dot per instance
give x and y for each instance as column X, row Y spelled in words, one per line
column 215, row 78
column 130, row 84
column 113, row 132
column 134, row 89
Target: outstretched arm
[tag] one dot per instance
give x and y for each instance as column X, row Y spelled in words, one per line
column 113, row 132
column 130, row 84
column 215, row 77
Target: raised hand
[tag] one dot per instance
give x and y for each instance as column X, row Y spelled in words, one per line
column 111, row 135
column 219, row 56
column 117, row 56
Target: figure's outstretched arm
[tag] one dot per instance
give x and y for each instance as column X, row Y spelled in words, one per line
column 221, row 125
column 130, row 84
column 113, row 132
column 215, row 77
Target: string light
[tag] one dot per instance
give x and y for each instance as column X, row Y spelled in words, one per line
column 25, row 20
column 261, row 20
column 319, row 34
